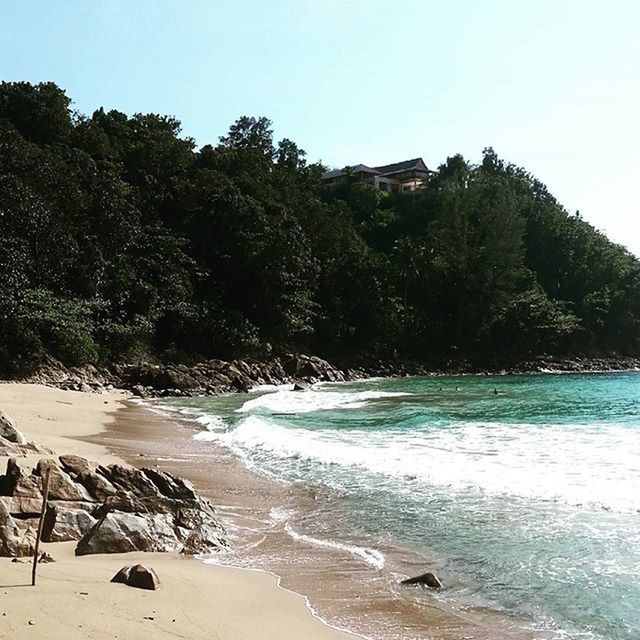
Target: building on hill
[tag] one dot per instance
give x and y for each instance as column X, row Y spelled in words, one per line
column 405, row 176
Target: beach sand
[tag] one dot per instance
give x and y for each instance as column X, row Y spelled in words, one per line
column 74, row 599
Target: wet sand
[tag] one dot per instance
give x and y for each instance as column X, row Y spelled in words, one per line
column 342, row 589
column 74, row 598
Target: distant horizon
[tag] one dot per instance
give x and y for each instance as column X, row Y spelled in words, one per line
column 554, row 89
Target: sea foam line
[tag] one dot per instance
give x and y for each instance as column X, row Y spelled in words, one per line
column 372, row 557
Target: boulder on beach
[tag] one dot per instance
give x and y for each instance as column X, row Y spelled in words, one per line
column 142, row 577
column 427, row 579
column 118, row 533
column 137, row 576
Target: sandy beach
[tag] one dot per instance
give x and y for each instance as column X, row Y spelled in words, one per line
column 74, row 598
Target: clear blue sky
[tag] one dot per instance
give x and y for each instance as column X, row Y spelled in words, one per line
column 553, row 85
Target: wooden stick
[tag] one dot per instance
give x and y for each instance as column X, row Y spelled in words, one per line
column 45, row 497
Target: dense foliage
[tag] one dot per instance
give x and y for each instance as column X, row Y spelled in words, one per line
column 120, row 240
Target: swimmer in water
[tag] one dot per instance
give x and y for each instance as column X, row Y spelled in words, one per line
column 495, row 392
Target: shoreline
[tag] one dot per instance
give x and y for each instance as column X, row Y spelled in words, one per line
column 217, row 377
column 246, row 604
column 336, row 583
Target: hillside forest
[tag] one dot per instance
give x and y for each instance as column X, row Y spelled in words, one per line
column 121, row 240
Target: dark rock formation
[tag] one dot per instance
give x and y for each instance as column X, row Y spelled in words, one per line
column 137, row 576
column 427, row 579
column 206, row 378
column 110, row 509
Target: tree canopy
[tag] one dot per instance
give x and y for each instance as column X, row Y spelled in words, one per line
column 120, row 240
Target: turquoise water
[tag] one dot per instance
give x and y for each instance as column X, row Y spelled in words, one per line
column 529, row 499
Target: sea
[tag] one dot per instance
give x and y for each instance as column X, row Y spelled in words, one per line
column 521, row 492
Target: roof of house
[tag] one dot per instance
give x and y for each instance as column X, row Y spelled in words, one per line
column 405, row 165
column 358, row 168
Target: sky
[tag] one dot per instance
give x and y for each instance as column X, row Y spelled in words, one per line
column 551, row 85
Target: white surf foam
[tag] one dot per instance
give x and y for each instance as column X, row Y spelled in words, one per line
column 372, row 557
column 591, row 465
column 289, row 401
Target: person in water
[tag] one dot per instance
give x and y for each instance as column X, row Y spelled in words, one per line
column 495, row 391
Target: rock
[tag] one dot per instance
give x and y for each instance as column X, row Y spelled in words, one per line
column 10, row 449
column 142, row 577
column 117, row 533
column 8, row 532
column 139, row 391
column 61, row 486
column 96, row 485
column 198, row 531
column 74, row 465
column 301, row 386
column 130, row 479
column 45, row 558
column 181, row 380
column 14, row 543
column 241, row 383
column 9, row 430
column 18, row 484
column 22, row 507
column 170, row 486
column 64, row 525
column 137, row 576
column 122, row 576
column 120, row 501
column 428, row 579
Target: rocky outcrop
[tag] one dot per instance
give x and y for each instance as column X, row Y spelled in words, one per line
column 205, row 378
column 218, row 376
column 110, row 509
column 213, row 377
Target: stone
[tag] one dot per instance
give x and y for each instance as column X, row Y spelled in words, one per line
column 64, row 525
column 123, row 501
column 74, row 465
column 10, row 449
column 428, row 579
column 122, row 576
column 22, row 507
column 45, row 558
column 142, row 577
column 61, row 486
column 96, row 485
column 301, row 386
column 18, row 484
column 170, row 486
column 131, row 479
column 181, row 380
column 139, row 391
column 9, row 430
column 13, row 542
column 117, row 533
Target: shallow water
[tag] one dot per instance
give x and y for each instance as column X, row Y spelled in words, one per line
column 527, row 503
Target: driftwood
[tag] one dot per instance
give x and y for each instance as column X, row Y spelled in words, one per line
column 45, row 498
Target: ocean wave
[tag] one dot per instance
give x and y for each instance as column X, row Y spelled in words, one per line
column 281, row 516
column 587, row 465
column 289, row 401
